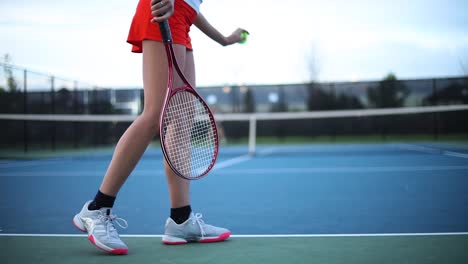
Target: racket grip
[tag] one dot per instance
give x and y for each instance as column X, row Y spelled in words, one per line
column 165, row 31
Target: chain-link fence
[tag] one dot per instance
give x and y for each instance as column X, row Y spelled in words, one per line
column 24, row 91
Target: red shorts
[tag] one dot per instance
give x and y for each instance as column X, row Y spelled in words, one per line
column 142, row 28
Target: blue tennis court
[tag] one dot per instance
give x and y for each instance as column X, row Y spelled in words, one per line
column 334, row 203
column 283, row 189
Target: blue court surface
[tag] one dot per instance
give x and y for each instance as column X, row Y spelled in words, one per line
column 319, row 203
column 332, row 189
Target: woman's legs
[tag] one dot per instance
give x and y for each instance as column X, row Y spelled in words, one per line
column 133, row 143
column 129, row 150
column 137, row 137
column 179, row 189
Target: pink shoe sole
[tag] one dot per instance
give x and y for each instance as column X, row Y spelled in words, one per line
column 116, row 251
column 77, row 227
column 222, row 237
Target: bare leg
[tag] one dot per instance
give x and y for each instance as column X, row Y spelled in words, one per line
column 133, row 143
column 179, row 189
column 136, row 138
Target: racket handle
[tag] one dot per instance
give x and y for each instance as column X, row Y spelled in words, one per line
column 165, row 31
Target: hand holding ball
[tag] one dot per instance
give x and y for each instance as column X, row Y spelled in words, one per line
column 244, row 36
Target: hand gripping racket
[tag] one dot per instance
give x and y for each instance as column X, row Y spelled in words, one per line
column 188, row 134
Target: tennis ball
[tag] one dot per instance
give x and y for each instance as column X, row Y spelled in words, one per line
column 244, row 36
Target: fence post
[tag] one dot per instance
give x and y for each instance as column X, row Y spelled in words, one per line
column 54, row 126
column 435, row 116
column 75, row 111
column 25, row 110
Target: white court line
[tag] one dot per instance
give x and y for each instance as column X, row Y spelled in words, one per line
column 230, row 162
column 430, row 150
column 419, row 148
column 456, row 154
column 22, row 164
column 267, row 151
column 284, row 171
column 260, row 235
column 219, row 165
column 353, row 235
column 28, row 163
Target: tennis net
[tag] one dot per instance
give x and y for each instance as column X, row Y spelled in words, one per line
column 42, row 132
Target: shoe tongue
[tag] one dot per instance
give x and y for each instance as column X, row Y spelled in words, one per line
column 105, row 210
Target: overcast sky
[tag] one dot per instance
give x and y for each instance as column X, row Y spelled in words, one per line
column 351, row 40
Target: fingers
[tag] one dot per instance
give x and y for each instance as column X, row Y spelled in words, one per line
column 243, row 30
column 161, row 10
column 236, row 36
column 240, row 31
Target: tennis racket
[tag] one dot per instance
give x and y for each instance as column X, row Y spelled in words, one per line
column 188, row 134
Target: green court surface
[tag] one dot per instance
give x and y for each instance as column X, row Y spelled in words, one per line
column 317, row 249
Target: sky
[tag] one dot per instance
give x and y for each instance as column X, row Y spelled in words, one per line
column 290, row 41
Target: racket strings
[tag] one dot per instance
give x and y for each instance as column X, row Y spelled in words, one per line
column 189, row 135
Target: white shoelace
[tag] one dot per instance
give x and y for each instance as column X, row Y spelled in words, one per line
column 200, row 222
column 109, row 221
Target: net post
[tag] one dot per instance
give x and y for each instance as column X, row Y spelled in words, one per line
column 252, row 134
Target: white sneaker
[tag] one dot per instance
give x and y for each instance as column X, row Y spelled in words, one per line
column 99, row 224
column 193, row 230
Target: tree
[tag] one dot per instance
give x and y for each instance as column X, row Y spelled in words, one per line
column 249, row 100
column 12, row 85
column 99, row 104
column 454, row 93
column 313, row 63
column 313, row 87
column 11, row 99
column 319, row 99
column 463, row 65
column 344, row 101
column 64, row 101
column 389, row 93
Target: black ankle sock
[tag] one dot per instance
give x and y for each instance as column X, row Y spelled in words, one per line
column 101, row 200
column 181, row 214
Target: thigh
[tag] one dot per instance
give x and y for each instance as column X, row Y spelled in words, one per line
column 189, row 70
column 155, row 75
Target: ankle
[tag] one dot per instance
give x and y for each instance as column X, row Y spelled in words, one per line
column 101, row 200
column 181, row 214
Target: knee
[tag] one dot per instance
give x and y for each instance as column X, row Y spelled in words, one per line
column 150, row 122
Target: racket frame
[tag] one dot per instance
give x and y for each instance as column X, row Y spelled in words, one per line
column 172, row 63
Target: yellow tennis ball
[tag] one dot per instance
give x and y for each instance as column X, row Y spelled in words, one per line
column 244, row 36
